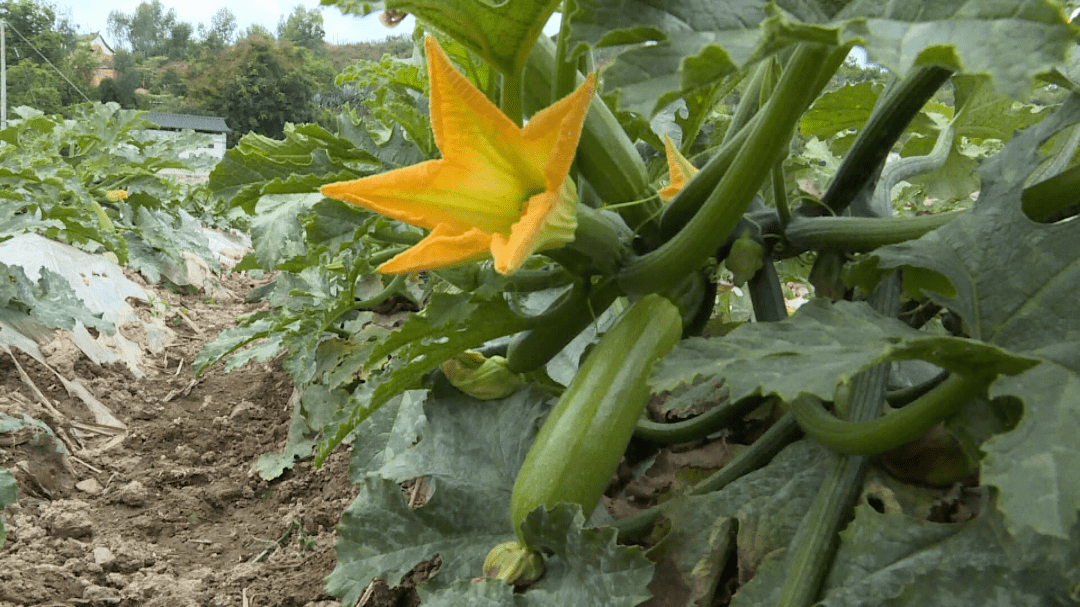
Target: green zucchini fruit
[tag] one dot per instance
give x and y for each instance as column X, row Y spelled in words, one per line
column 583, row 438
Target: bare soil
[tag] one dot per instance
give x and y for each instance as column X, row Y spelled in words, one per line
column 170, row 512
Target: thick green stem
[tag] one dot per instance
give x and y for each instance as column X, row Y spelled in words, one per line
column 894, row 111
column 749, row 104
column 511, row 98
column 779, row 192
column 565, row 70
column 766, row 293
column 897, row 428
column 811, row 550
column 689, row 249
column 551, row 331
column 861, row 234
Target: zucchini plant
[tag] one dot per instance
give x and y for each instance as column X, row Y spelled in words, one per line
column 904, row 435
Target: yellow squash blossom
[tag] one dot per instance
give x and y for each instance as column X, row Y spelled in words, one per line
column 499, row 190
column 679, row 168
column 116, row 195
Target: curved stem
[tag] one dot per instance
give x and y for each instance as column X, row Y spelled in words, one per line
column 895, row 429
column 697, row 427
column 782, row 433
column 409, row 237
column 385, row 255
column 551, row 331
column 688, row 250
column 387, row 292
column 528, row 281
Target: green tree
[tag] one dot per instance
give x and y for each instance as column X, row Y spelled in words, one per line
column 257, row 31
column 122, row 89
column 36, row 26
column 258, row 85
column 221, row 32
column 179, row 41
column 304, row 28
column 35, row 85
column 148, row 30
column 43, row 66
column 172, row 83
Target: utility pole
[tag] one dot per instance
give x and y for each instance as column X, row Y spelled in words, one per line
column 3, row 76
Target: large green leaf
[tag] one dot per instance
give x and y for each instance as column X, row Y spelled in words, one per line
column 387, row 434
column 308, row 157
column 470, row 451
column 766, row 507
column 380, row 536
column 501, row 33
column 276, row 232
column 1037, row 465
column 889, row 558
column 1014, row 284
column 584, row 567
column 588, row 567
column 848, row 107
column 680, row 46
column 819, row 346
column 1012, row 281
column 465, row 442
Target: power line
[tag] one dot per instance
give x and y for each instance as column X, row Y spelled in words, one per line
column 46, row 59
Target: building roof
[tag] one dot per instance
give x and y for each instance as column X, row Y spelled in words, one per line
column 202, row 124
column 90, row 38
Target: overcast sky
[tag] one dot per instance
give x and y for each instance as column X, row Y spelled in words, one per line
column 92, row 16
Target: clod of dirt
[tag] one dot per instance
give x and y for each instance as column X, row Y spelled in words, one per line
column 172, row 499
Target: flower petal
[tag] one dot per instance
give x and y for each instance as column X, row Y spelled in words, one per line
column 443, row 247
column 679, row 168
column 469, row 128
column 552, row 134
column 549, row 221
column 433, row 193
column 498, row 188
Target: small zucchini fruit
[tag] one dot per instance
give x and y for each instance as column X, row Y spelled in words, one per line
column 582, row 440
